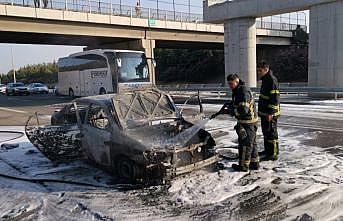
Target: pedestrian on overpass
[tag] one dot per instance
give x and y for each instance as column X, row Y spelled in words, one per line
column 37, row 3
column 242, row 107
column 269, row 111
column 138, row 9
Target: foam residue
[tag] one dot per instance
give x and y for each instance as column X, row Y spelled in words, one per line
column 305, row 178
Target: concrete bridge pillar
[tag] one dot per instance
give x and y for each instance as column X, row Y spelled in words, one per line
column 240, row 49
column 326, row 45
column 149, row 46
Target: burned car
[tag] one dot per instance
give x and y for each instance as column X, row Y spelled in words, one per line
column 138, row 136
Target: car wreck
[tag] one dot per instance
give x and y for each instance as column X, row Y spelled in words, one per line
column 139, row 136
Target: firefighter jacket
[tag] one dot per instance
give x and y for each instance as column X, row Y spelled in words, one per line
column 243, row 104
column 269, row 100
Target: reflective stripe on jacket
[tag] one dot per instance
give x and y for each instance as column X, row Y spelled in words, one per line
column 269, row 99
column 244, row 104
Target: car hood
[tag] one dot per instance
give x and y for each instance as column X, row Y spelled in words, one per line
column 168, row 136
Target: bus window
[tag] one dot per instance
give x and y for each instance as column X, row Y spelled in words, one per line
column 90, row 61
column 133, row 67
column 83, row 62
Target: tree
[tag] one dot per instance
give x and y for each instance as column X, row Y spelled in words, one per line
column 45, row 73
column 189, row 66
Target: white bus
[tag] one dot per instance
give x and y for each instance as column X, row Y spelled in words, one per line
column 102, row 71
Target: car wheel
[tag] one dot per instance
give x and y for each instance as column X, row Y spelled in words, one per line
column 102, row 91
column 126, row 169
column 71, row 93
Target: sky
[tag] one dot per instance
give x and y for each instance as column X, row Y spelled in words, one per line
column 31, row 54
column 35, row 54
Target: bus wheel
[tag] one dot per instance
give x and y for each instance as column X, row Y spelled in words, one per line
column 71, row 93
column 102, row 91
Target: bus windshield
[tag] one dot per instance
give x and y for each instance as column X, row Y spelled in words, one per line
column 133, row 67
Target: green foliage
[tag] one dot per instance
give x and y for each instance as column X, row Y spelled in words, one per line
column 45, row 73
column 189, row 66
column 291, row 64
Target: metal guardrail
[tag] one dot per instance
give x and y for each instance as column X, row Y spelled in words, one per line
column 100, row 7
column 219, row 90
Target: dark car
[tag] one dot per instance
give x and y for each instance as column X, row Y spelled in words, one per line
column 138, row 136
column 16, row 89
column 38, row 88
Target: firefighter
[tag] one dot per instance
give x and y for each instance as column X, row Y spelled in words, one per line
column 242, row 107
column 269, row 111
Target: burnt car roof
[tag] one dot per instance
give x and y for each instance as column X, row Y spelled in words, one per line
column 136, row 106
column 105, row 99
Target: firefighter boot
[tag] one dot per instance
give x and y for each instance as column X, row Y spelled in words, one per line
column 239, row 168
column 254, row 166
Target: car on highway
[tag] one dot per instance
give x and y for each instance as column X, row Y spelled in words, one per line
column 38, row 88
column 139, row 136
column 2, row 89
column 17, row 88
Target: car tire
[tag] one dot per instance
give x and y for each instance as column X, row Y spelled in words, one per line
column 126, row 170
column 102, row 91
column 71, row 93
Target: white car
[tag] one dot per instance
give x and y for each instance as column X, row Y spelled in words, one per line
column 38, row 88
column 2, row 89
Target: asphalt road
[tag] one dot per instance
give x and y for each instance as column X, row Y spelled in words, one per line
column 15, row 110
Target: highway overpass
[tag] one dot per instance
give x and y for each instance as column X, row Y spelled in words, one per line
column 64, row 23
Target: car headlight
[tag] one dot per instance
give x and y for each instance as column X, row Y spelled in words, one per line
column 157, row 157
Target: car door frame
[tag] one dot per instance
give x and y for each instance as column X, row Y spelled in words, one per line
column 103, row 137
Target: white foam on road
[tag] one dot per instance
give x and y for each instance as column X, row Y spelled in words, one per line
column 311, row 174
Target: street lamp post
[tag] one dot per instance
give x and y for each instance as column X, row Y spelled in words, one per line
column 174, row 10
column 14, row 78
column 157, row 9
column 120, row 7
column 189, row 10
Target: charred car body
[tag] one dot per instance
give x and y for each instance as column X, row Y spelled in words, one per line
column 138, row 135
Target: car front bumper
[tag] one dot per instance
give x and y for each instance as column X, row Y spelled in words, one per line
column 174, row 172
column 21, row 92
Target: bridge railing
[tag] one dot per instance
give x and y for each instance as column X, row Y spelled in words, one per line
column 288, row 21
column 101, row 7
